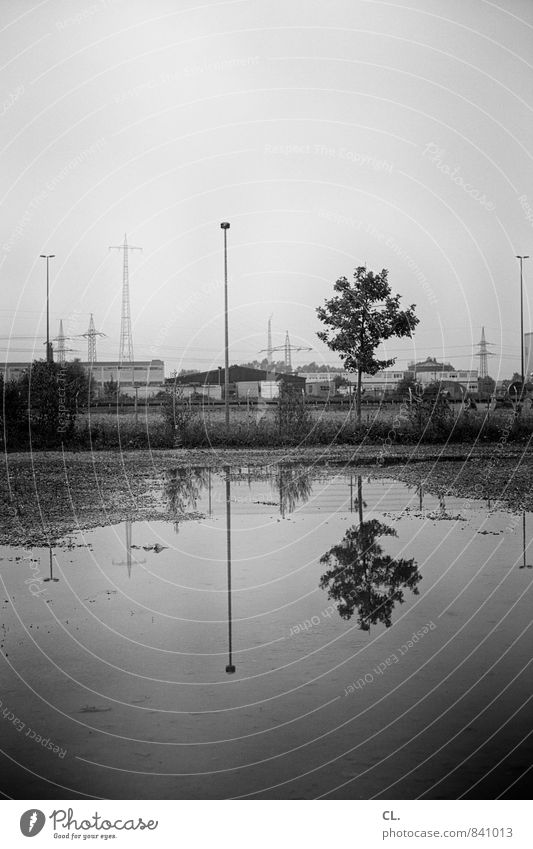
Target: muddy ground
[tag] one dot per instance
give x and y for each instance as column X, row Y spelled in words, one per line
column 44, row 496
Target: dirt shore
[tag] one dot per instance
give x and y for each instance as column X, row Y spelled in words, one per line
column 44, row 496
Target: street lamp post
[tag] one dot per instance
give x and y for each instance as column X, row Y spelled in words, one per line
column 522, row 375
column 225, row 226
column 48, row 257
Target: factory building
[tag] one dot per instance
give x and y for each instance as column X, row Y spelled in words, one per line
column 143, row 378
column 431, row 371
column 244, row 383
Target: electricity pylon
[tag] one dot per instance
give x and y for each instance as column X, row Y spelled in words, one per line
column 287, row 349
column 91, row 335
column 126, row 340
column 483, row 355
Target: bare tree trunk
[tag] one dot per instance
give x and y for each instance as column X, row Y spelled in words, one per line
column 358, row 398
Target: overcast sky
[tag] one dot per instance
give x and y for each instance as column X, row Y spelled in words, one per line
column 330, row 134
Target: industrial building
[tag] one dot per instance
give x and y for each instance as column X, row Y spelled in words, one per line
column 431, row 371
column 143, row 378
column 244, row 383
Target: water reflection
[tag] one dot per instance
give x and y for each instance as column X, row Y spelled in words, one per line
column 51, row 566
column 128, row 546
column 230, row 668
column 295, row 485
column 183, row 487
column 361, row 578
column 524, row 564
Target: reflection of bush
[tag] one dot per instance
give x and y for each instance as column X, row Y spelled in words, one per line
column 182, row 488
column 364, row 580
column 295, row 485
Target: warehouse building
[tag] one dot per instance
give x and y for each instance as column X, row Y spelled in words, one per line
column 431, row 371
column 244, row 383
column 143, row 378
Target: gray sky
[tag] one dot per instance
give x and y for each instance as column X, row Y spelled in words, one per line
column 330, row 134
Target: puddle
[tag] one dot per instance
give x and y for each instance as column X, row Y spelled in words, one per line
column 310, row 633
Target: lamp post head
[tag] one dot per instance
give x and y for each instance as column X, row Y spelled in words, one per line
column 225, row 225
column 518, row 256
column 230, row 669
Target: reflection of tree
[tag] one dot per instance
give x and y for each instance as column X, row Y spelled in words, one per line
column 182, row 488
column 295, row 485
column 362, row 579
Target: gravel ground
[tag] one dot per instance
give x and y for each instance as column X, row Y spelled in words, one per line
column 44, row 496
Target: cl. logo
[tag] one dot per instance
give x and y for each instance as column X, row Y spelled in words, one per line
column 32, row 822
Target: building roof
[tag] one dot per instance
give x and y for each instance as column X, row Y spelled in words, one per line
column 236, row 375
column 431, row 364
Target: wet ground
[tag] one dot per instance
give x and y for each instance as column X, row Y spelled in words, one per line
column 312, row 633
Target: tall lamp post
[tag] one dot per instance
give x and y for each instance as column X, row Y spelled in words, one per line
column 225, row 226
column 521, row 260
column 48, row 257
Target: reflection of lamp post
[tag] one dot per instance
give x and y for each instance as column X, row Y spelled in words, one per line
column 51, row 578
column 225, row 226
column 230, row 668
column 524, row 566
column 48, row 257
column 129, row 559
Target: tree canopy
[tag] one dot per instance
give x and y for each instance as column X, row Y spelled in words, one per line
column 359, row 318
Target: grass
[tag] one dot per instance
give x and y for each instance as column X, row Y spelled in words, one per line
column 254, row 427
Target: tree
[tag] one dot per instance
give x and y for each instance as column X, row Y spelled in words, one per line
column 111, row 392
column 54, row 393
column 13, row 412
column 485, row 388
column 318, row 369
column 359, row 318
column 431, row 414
column 292, row 417
column 408, row 382
column 79, row 386
column 339, row 381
